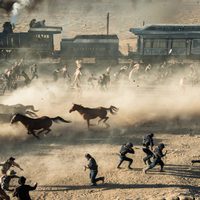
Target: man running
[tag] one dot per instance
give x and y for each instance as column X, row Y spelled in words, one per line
column 22, row 192
column 126, row 148
column 93, row 167
column 158, row 155
column 8, row 164
column 148, row 144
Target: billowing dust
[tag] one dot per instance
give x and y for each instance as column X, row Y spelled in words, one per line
column 137, row 103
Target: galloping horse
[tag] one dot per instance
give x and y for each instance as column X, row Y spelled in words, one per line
column 92, row 113
column 41, row 124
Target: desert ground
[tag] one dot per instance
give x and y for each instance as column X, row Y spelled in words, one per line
column 57, row 161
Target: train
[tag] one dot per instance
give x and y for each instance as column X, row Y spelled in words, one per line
column 39, row 41
column 161, row 42
column 155, row 43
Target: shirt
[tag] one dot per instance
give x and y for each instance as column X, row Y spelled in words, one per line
column 124, row 150
column 22, row 192
column 148, row 141
column 92, row 164
column 5, row 181
column 6, row 166
column 158, row 153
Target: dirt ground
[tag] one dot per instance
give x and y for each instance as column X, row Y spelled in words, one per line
column 57, row 164
column 57, row 161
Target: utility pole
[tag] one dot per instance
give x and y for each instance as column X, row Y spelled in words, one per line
column 108, row 22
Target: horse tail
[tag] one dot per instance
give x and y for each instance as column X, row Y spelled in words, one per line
column 57, row 119
column 113, row 110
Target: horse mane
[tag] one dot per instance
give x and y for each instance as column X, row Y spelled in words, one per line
column 80, row 105
column 23, row 116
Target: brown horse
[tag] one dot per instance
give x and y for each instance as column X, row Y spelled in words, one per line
column 92, row 113
column 41, row 124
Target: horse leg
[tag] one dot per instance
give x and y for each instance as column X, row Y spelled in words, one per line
column 88, row 123
column 41, row 131
column 33, row 133
column 47, row 131
column 100, row 120
column 104, row 121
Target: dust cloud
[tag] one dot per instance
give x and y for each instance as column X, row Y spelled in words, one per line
column 137, row 102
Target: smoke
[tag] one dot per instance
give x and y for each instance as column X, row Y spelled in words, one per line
column 19, row 5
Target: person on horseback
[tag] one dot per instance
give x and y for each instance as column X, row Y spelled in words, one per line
column 93, row 167
column 126, row 148
column 8, row 164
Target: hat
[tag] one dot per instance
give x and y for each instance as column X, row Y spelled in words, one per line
column 129, row 144
column 87, row 155
column 12, row 173
column 161, row 145
column 151, row 134
column 12, row 158
column 22, row 180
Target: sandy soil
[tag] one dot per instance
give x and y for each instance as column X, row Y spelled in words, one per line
column 56, row 161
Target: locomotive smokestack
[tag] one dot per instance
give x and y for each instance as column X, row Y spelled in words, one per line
column 108, row 23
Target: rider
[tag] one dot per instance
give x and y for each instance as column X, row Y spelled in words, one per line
column 8, row 164
column 126, row 148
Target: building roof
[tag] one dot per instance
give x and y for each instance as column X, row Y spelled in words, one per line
column 90, row 37
column 93, row 39
column 47, row 30
column 167, row 29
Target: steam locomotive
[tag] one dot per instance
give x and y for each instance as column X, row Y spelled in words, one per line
column 39, row 41
column 155, row 43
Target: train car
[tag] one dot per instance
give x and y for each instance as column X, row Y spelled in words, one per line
column 38, row 41
column 161, row 42
column 91, row 48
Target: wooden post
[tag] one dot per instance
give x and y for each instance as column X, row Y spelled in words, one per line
column 108, row 23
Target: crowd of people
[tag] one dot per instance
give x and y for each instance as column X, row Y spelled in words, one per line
column 10, row 78
column 134, row 73
column 153, row 157
column 21, row 192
